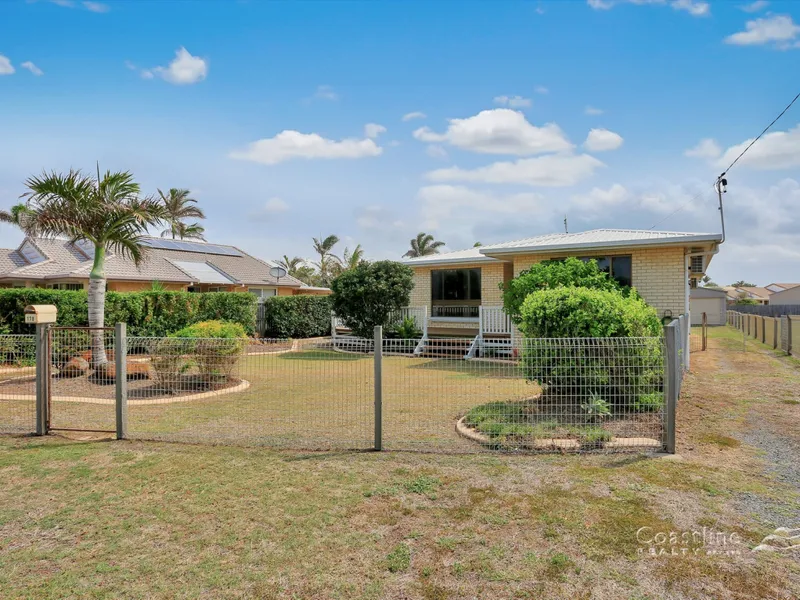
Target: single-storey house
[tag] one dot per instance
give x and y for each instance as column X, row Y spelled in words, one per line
column 177, row 265
column 784, row 293
column 459, row 292
column 711, row 301
column 759, row 294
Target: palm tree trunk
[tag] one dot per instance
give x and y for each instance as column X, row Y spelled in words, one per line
column 97, row 306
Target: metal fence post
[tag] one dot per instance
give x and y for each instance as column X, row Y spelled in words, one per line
column 121, row 378
column 705, row 332
column 672, row 374
column 42, row 377
column 378, row 337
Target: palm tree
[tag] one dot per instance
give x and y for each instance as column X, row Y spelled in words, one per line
column 348, row 261
column 179, row 207
column 107, row 212
column 13, row 216
column 291, row 264
column 423, row 245
column 323, row 247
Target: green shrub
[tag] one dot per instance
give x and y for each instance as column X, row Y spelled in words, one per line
column 151, row 313
column 216, row 347
column 576, row 370
column 406, row 330
column 652, row 402
column 550, row 274
column 296, row 316
column 367, row 295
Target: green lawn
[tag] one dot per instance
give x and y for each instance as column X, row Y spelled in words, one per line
column 138, row 519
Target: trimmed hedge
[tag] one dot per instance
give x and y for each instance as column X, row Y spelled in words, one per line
column 295, row 316
column 148, row 313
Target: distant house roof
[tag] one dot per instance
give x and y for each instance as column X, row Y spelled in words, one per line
column 599, row 238
column 163, row 260
column 471, row 255
column 757, row 292
column 783, row 286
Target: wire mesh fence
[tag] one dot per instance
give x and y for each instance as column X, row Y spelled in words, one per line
column 525, row 395
column 17, row 383
column 82, row 379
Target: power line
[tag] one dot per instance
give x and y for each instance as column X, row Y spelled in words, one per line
column 741, row 154
column 766, row 129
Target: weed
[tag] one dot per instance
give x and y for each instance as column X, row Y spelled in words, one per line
column 423, row 485
column 399, row 559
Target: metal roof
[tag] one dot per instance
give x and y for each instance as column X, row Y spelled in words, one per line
column 470, row 255
column 599, row 238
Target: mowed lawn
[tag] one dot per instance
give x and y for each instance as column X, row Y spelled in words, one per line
column 137, row 519
column 311, row 399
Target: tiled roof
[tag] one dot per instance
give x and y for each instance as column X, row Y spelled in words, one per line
column 64, row 260
column 756, row 291
column 459, row 256
column 599, row 238
column 786, row 286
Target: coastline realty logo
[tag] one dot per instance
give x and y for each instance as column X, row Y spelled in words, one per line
column 706, row 541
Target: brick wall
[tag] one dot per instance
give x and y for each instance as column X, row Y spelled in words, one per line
column 492, row 275
column 659, row 274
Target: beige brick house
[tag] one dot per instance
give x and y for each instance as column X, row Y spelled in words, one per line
column 460, row 291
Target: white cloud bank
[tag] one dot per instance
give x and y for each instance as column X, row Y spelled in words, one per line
column 184, row 69
column 774, row 151
column 777, row 30
column 6, row 68
column 555, row 170
column 442, row 203
column 32, row 68
column 696, row 8
column 289, row 144
column 499, row 131
column 373, row 130
column 601, row 140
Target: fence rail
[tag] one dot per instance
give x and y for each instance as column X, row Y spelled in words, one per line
column 537, row 395
column 767, row 310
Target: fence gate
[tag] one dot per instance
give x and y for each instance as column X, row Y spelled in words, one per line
column 80, row 383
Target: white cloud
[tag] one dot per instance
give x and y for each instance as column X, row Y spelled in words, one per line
column 592, row 111
column 774, row 151
column 441, row 203
column 290, row 144
column 275, row 205
column 184, row 69
column 778, row 30
column 755, row 6
column 599, row 201
column 499, row 131
column 696, row 8
column 540, row 89
column 326, row 92
column 373, row 130
column 600, row 140
column 555, row 170
column 706, row 148
column 6, row 68
column 436, row 151
column 32, row 68
column 414, row 115
column 512, row 101
column 97, row 7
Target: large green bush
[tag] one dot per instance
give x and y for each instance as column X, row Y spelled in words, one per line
column 151, row 313
column 296, row 316
column 550, row 274
column 367, row 295
column 611, row 348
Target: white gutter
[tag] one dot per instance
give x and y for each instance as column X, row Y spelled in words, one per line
column 544, row 249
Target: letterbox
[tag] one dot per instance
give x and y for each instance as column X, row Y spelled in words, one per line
column 36, row 314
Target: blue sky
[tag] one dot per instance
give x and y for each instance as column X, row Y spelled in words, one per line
column 287, row 119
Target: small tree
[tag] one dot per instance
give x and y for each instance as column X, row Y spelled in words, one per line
column 550, row 274
column 366, row 295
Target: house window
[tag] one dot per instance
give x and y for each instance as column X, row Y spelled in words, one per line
column 697, row 265
column 619, row 267
column 262, row 294
column 456, row 284
column 72, row 287
column 31, row 254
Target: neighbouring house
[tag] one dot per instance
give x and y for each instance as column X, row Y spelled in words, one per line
column 784, row 293
column 459, row 292
column 759, row 294
column 178, row 265
column 712, row 302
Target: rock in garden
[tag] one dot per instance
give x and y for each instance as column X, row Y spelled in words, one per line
column 108, row 372
column 75, row 367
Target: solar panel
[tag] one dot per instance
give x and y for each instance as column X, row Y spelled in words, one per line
column 186, row 246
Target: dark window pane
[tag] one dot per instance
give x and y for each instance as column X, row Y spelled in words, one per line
column 604, row 264
column 474, row 284
column 436, row 285
column 622, row 270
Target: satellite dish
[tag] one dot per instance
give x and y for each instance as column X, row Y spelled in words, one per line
column 277, row 272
